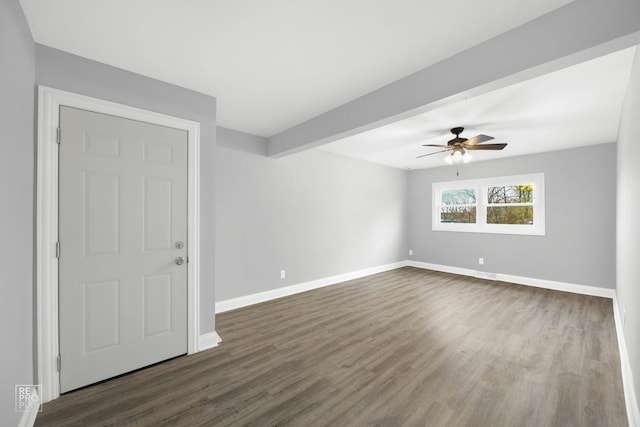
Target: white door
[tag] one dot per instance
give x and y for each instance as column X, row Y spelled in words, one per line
column 122, row 232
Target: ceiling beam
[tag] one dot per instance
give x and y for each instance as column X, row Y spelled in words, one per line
column 241, row 141
column 578, row 31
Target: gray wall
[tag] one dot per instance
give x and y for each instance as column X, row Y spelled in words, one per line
column 17, row 74
column 61, row 70
column 628, row 226
column 579, row 245
column 314, row 214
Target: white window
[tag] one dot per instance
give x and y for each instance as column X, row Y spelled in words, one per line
column 508, row 204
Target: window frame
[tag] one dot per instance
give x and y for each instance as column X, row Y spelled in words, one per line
column 481, row 186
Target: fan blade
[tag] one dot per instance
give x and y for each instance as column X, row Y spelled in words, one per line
column 486, row 147
column 435, row 145
column 478, row 139
column 431, row 154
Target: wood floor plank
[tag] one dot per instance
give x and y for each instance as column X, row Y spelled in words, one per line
column 408, row 347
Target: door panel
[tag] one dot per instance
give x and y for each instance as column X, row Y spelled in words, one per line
column 100, row 214
column 157, row 214
column 101, row 315
column 123, row 208
column 157, row 304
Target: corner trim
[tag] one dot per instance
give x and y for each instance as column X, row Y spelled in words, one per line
column 49, row 102
column 28, row 418
column 243, row 301
column 209, row 340
column 520, row 280
column 630, row 398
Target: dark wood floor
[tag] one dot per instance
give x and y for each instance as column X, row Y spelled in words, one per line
column 408, row 347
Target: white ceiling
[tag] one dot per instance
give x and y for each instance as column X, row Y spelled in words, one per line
column 579, row 105
column 274, row 64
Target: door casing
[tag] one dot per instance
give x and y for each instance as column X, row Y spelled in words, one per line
column 49, row 101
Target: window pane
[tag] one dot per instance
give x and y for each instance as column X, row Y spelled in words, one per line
column 459, row 197
column 522, row 193
column 458, row 214
column 510, row 215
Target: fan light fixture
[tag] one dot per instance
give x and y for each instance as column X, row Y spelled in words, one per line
column 456, row 157
column 458, row 146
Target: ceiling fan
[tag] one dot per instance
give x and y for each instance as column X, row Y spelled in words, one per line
column 458, row 146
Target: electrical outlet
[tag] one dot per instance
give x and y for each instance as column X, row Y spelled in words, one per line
column 283, row 274
column 481, row 261
column 410, row 251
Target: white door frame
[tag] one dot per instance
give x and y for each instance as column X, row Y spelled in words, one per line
column 49, row 102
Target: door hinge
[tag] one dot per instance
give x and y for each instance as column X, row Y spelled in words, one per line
column 59, row 363
column 58, row 135
column 57, row 249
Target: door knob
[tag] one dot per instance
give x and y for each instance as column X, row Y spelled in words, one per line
column 180, row 260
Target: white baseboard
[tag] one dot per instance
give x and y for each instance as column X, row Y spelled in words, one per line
column 559, row 286
column 244, row 301
column 630, row 398
column 443, row 268
column 233, row 303
column 207, row 341
column 28, row 418
column 520, row 280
